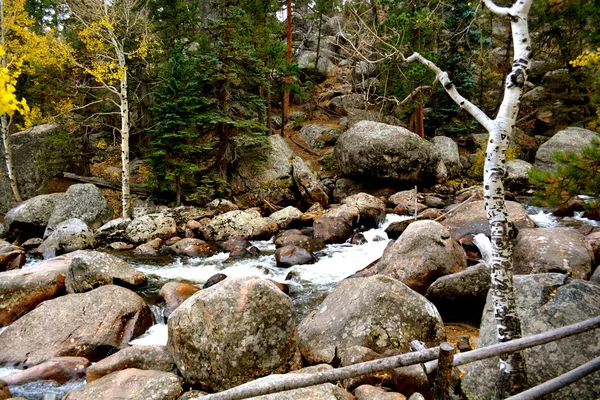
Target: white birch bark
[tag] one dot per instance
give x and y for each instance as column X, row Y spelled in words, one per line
column 125, row 170
column 513, row 378
column 12, row 179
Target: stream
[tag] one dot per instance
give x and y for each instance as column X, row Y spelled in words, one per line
column 309, row 284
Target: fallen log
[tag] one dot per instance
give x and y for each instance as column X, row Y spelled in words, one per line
column 105, row 183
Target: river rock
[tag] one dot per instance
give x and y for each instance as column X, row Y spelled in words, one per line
column 89, row 325
column 336, row 225
column 175, row 293
column 82, row 201
column 23, row 289
column 29, row 218
column 131, row 384
column 152, row 247
column 423, row 253
column 11, row 257
column 571, row 139
column 371, row 209
column 234, row 332
column 148, row 227
column 448, row 150
column 247, row 223
column 544, row 302
column 91, row 269
column 368, row 392
column 471, row 219
column 288, row 256
column 58, row 369
column 67, row 236
column 372, row 150
column 461, row 296
column 560, row 249
column 286, row 217
column 308, row 184
column 318, row 136
column 155, row 358
column 378, row 312
column 113, row 231
column 295, row 237
column 256, row 182
column 4, row 392
column 517, row 174
column 194, row 248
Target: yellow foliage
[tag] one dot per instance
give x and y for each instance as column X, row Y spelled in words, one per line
column 9, row 104
column 32, row 118
column 587, row 58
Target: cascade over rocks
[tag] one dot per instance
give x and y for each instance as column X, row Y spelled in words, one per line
column 270, row 180
column 423, row 253
column 471, row 219
column 23, row 289
column 336, row 225
column 380, row 151
column 544, row 302
column 247, row 223
column 234, row 332
column 378, row 312
column 30, row 217
column 156, row 358
column 91, row 269
column 89, row 325
column 82, row 201
column 371, row 209
column 131, row 384
column 570, row 139
column 562, row 250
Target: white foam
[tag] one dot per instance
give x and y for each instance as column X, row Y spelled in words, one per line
column 544, row 219
column 156, row 335
column 485, row 247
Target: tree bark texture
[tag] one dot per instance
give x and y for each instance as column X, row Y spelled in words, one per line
column 8, row 159
column 288, row 78
column 125, row 170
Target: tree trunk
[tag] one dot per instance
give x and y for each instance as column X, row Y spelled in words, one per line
column 178, row 190
column 313, row 99
column 288, row 78
column 125, row 171
column 8, row 159
column 224, row 133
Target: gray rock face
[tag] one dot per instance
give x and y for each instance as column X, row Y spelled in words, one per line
column 448, row 150
column 83, row 201
column 544, row 302
column 22, row 290
column 380, row 151
column 342, row 104
column 253, row 183
column 356, row 115
column 33, row 177
column 335, row 226
column 471, row 219
column 308, row 184
column 461, row 296
column 113, row 231
column 517, row 174
column 234, row 332
column 306, row 65
column 423, row 253
column 247, row 223
column 570, row 139
column 318, row 136
column 131, row 384
column 155, row 358
column 67, row 236
column 286, row 217
column 378, row 312
column 151, row 226
column 32, row 216
column 91, row 269
column 561, row 250
column 89, row 325
column 371, row 209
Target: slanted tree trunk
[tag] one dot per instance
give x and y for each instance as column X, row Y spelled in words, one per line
column 513, row 377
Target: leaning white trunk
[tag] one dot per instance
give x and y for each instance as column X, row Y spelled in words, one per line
column 125, row 171
column 8, row 159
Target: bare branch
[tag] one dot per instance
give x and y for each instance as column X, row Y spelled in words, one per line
column 496, row 9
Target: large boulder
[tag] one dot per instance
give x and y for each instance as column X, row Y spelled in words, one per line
column 131, row 384
column 151, row 226
column 286, row 217
column 288, row 256
column 254, row 182
column 378, row 312
column 308, row 184
column 544, row 302
column 448, row 150
column 234, row 332
column 517, row 174
column 336, row 225
column 22, row 290
column 295, row 237
column 342, row 104
column 91, row 269
column 194, row 248
column 471, row 219
column 113, row 231
column 154, row 357
column 83, row 201
column 34, row 175
column 306, row 65
column 29, row 218
column 424, row 252
column 356, row 115
column 67, row 236
column 245, row 223
column 371, row 209
column 570, row 139
column 561, row 250
column 375, row 150
column 90, row 325
column 319, row 136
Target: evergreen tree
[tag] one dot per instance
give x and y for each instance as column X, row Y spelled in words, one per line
column 177, row 150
